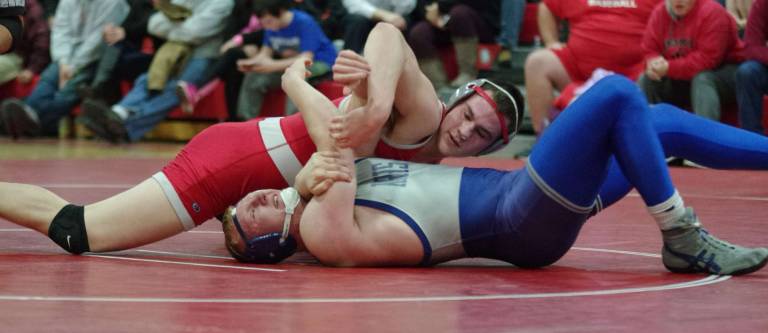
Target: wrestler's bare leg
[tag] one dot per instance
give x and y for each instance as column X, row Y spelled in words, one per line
column 138, row 216
column 544, row 73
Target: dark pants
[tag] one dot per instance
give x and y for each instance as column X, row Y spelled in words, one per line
column 705, row 93
column 465, row 22
column 119, row 62
column 225, row 69
column 356, row 30
column 51, row 103
column 751, row 85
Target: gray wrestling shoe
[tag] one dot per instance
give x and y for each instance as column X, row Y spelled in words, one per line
column 691, row 249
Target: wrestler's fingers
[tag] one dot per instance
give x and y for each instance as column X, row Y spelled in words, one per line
column 358, row 63
column 347, row 79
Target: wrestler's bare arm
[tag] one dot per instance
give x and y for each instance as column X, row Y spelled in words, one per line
column 394, row 81
column 338, row 233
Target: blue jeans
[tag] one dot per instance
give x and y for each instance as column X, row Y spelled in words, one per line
column 751, row 85
column 512, row 12
column 52, row 103
column 148, row 110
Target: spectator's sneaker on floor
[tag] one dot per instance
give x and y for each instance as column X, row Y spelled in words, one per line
column 103, row 122
column 691, row 249
column 188, row 96
column 20, row 119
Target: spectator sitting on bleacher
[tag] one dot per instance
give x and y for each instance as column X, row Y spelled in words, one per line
column 141, row 109
column 362, row 15
column 602, row 34
column 32, row 56
column 329, row 14
column 752, row 75
column 511, row 20
column 462, row 24
column 289, row 33
column 76, row 45
column 123, row 59
column 691, row 50
column 243, row 45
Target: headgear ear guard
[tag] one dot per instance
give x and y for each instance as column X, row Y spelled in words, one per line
column 273, row 247
column 508, row 129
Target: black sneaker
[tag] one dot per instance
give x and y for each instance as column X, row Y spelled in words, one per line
column 20, row 119
column 102, row 121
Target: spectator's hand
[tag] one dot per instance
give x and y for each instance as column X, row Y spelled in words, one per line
column 321, row 171
column 65, row 73
column 26, row 76
column 254, row 65
column 351, row 129
column 656, row 68
column 432, row 15
column 113, row 34
column 250, row 50
column 352, row 70
column 226, row 46
column 395, row 19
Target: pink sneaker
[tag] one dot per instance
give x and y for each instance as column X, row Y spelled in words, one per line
column 188, row 96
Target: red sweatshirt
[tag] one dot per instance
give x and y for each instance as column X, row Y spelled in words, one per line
column 756, row 35
column 703, row 39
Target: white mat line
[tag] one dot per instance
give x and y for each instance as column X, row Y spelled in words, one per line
column 712, row 279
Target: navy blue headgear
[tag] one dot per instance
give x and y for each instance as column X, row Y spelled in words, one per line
column 273, row 247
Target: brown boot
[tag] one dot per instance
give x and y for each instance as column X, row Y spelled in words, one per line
column 433, row 69
column 466, row 57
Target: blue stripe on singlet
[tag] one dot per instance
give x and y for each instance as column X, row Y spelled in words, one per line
column 407, row 219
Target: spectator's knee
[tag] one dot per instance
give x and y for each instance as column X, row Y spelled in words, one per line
column 703, row 78
column 537, row 62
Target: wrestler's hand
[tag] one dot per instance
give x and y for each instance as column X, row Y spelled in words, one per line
column 352, row 70
column 300, row 68
column 352, row 129
column 321, row 171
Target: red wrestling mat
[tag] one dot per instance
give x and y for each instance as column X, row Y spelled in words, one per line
column 613, row 280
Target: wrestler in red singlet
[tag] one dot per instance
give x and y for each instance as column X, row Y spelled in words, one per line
column 226, row 161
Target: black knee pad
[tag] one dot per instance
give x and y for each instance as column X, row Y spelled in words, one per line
column 68, row 229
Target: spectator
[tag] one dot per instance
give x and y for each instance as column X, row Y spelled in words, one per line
column 123, row 59
column 362, row 15
column 739, row 9
column 11, row 25
column 461, row 23
column 241, row 46
column 512, row 14
column 76, row 45
column 603, row 34
column 752, row 75
column 32, row 56
column 141, row 109
column 329, row 13
column 691, row 47
column 288, row 35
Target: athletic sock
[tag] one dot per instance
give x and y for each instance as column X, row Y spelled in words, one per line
column 121, row 111
column 668, row 214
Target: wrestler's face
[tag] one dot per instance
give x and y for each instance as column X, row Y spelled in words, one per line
column 468, row 128
column 263, row 211
column 270, row 22
column 681, row 7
